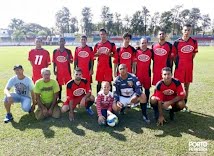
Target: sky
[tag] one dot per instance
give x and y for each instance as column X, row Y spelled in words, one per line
column 43, row 11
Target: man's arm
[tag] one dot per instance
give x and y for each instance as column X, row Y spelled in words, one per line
column 54, row 101
column 134, row 67
column 39, row 102
column 75, row 64
column 33, row 100
column 54, row 68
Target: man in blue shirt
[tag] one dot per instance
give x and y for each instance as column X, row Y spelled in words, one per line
column 128, row 91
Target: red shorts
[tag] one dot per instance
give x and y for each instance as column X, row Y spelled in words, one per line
column 63, row 79
column 104, row 74
column 145, row 81
column 36, row 76
column 184, row 73
column 76, row 101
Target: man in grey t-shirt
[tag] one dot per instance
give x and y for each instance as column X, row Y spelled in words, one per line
column 23, row 92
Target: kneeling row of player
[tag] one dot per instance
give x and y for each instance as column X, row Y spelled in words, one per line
column 127, row 91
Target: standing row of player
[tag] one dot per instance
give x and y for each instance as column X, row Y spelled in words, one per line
column 137, row 60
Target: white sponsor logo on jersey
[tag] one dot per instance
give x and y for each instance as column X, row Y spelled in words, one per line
column 143, row 57
column 61, row 59
column 168, row 92
column 79, row 92
column 126, row 55
column 104, row 50
column 187, row 49
column 83, row 54
column 160, row 51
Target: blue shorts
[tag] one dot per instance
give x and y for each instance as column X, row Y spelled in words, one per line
column 24, row 100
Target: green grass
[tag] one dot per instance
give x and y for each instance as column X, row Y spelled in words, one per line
column 27, row 136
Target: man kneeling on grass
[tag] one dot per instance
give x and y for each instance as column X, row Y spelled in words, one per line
column 23, row 92
column 46, row 91
column 168, row 93
column 78, row 92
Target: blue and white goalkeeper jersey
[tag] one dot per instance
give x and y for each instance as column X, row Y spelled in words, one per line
column 126, row 88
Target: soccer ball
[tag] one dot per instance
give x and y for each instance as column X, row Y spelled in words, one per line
column 112, row 120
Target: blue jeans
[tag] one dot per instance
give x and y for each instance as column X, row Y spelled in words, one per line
column 24, row 100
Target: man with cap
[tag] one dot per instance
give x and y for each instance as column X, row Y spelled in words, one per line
column 23, row 92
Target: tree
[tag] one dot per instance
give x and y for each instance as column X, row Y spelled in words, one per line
column 137, row 24
column 145, row 14
column 73, row 25
column 16, row 24
column 154, row 24
column 107, row 19
column 184, row 16
column 127, row 24
column 166, row 21
column 62, row 20
column 176, row 22
column 206, row 22
column 87, row 21
column 194, row 18
column 118, row 24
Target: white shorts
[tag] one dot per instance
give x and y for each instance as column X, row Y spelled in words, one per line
column 126, row 100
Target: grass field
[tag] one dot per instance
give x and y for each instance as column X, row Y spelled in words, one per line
column 27, row 136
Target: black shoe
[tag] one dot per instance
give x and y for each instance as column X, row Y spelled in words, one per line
column 171, row 114
column 122, row 111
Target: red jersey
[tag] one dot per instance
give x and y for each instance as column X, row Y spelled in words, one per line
column 162, row 56
column 84, row 57
column 143, row 60
column 167, row 93
column 104, row 102
column 126, row 56
column 62, row 60
column 185, row 51
column 39, row 58
column 77, row 90
column 104, row 60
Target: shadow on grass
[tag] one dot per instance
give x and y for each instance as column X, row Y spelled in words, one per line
column 193, row 123
column 196, row 124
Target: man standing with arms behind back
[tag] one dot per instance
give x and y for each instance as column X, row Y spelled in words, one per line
column 162, row 55
column 39, row 58
column 186, row 49
column 104, row 50
column 62, row 58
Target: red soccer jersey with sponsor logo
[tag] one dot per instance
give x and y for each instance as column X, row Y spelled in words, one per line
column 126, row 56
column 39, row 58
column 62, row 60
column 84, row 56
column 185, row 51
column 162, row 55
column 104, row 60
column 167, row 93
column 143, row 60
column 76, row 90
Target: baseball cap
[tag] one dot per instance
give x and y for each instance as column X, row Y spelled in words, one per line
column 17, row 66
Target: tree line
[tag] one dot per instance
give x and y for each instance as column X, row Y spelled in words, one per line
column 142, row 22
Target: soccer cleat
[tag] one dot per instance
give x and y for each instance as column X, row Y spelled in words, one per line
column 148, row 106
column 122, row 111
column 145, row 118
column 171, row 114
column 90, row 111
column 186, row 109
column 8, row 118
